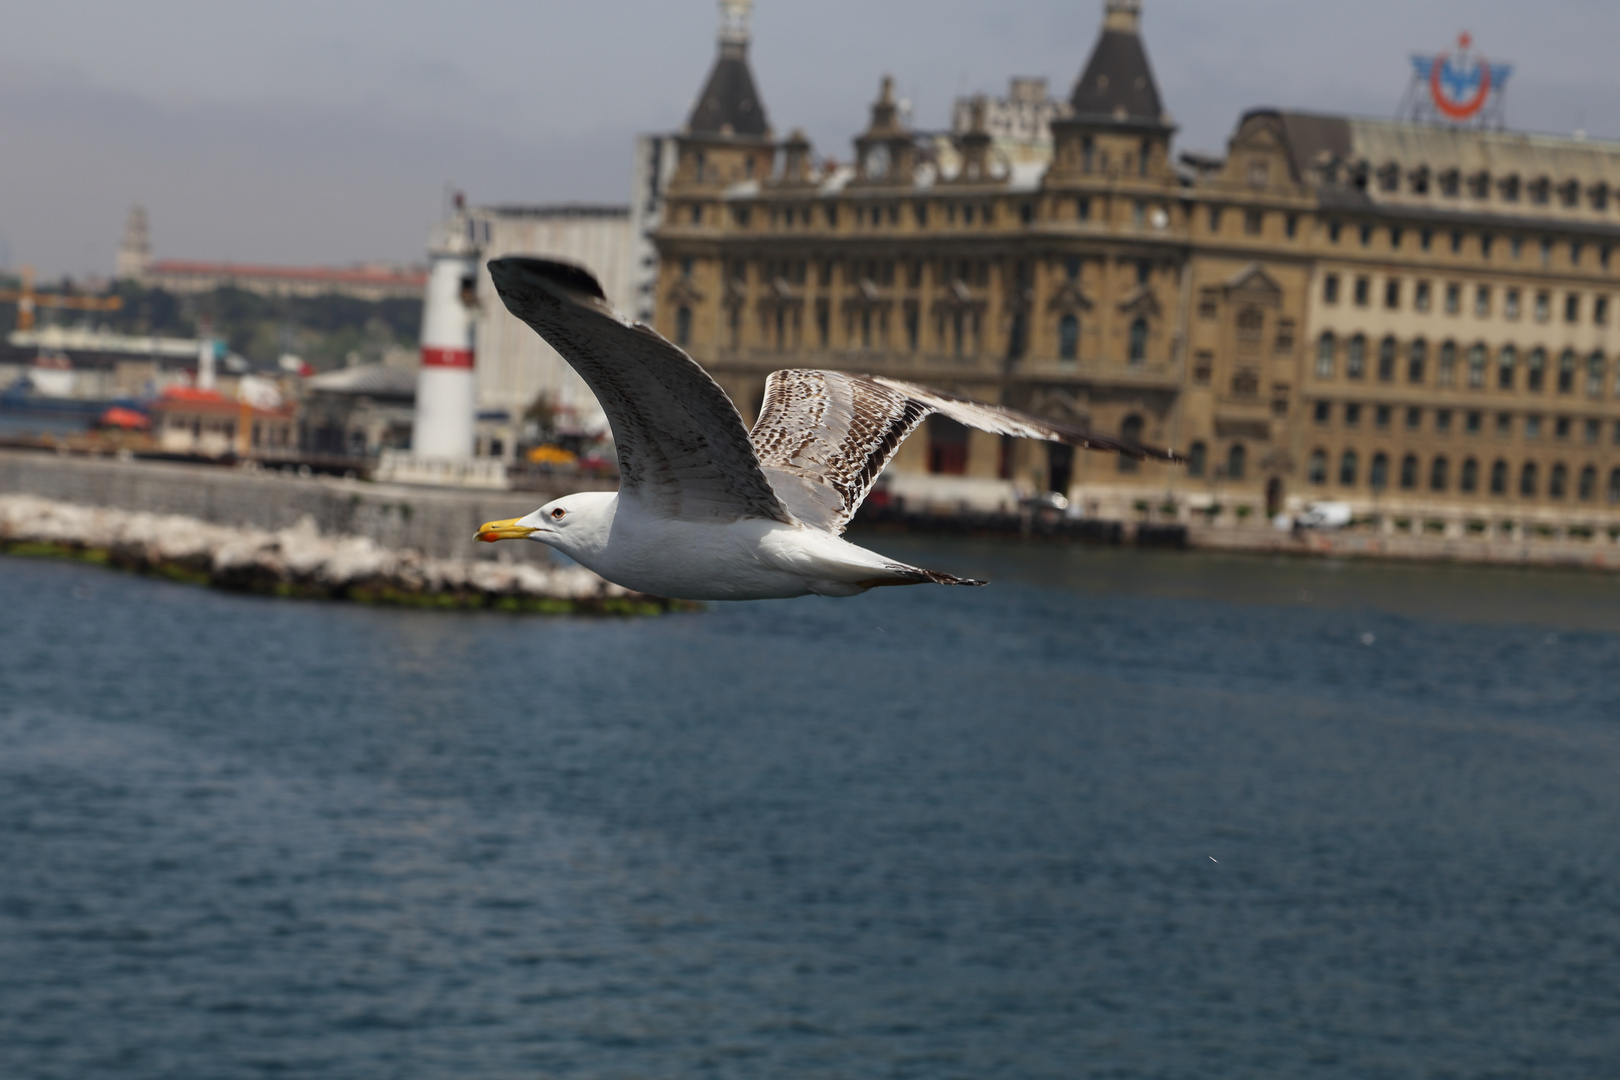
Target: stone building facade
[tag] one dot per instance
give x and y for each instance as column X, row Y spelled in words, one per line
column 1412, row 319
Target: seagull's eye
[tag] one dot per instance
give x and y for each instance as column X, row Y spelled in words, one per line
column 557, row 514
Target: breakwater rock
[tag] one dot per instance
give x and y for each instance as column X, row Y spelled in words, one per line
column 300, row 561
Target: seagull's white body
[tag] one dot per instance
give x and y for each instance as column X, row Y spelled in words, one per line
column 747, row 559
column 706, row 509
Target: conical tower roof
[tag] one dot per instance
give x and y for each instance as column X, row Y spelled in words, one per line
column 1117, row 85
column 729, row 103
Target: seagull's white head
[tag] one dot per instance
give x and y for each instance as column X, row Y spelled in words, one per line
column 574, row 524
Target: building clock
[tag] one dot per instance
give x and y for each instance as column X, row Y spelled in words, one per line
column 877, row 162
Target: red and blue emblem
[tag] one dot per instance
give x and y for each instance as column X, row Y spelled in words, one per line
column 1460, row 81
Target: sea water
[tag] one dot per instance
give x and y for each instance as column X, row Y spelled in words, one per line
column 1119, row 814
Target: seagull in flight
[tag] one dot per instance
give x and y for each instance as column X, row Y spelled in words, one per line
column 706, row 509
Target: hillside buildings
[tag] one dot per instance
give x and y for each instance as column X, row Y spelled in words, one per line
column 370, row 281
column 1416, row 319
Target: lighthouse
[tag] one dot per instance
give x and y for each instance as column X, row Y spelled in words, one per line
column 445, row 395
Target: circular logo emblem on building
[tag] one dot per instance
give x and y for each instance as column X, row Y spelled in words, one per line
column 1460, row 81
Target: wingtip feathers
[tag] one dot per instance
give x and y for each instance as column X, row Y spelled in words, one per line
column 517, row 275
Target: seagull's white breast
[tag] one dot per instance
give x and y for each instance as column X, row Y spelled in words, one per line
column 748, row 559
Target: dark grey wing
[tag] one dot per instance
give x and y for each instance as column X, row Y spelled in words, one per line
column 824, row 436
column 683, row 450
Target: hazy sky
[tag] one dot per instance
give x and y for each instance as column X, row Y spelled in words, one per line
column 304, row 131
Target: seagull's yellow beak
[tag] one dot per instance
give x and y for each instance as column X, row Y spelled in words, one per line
column 491, row 531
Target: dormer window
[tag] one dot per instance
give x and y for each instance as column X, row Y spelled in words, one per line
column 1259, row 172
column 1389, row 178
column 1479, row 185
column 1509, row 187
column 1598, row 193
column 1358, row 176
column 1569, row 193
column 1540, row 190
column 1419, row 179
column 1450, row 183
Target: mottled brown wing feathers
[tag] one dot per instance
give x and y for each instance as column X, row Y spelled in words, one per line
column 683, row 450
column 823, row 437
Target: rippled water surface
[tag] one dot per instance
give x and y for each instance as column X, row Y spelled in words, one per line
column 1119, row 814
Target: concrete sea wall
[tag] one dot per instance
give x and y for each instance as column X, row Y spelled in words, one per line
column 293, row 536
column 437, row 522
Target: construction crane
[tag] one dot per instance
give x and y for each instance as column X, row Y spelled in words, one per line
column 27, row 300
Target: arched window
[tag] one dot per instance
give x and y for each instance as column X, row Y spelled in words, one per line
column 1557, row 481
column 1499, row 473
column 1448, row 363
column 1409, row 472
column 1594, row 375
column 1325, row 346
column 1438, row 478
column 1378, row 475
column 1587, row 490
column 1318, row 473
column 1417, row 359
column 1015, row 338
column 1468, row 482
column 1068, row 337
column 1131, row 432
column 1505, row 360
column 1386, row 360
column 1139, row 334
column 1529, row 480
column 1348, row 466
column 1566, row 372
column 1195, row 459
column 1355, row 364
column 1476, row 367
column 1235, row 460
column 1536, row 370
column 683, row 327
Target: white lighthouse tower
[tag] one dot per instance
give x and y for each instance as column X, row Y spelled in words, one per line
column 444, row 435
column 445, row 396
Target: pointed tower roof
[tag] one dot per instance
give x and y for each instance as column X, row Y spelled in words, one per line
column 1117, row 85
column 729, row 103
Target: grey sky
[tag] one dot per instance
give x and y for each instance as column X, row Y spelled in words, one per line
column 307, row 131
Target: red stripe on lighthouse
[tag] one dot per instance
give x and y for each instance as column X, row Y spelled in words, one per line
column 451, row 358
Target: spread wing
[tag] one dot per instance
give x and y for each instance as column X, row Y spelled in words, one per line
column 683, row 450
column 824, row 436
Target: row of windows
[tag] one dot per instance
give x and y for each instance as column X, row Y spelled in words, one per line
column 884, row 272
column 1437, row 478
column 1456, row 240
column 1453, row 183
column 1478, row 368
column 1471, row 421
column 1237, row 460
column 879, row 215
column 1572, row 304
column 959, row 331
column 1069, row 339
